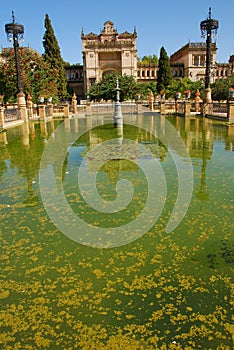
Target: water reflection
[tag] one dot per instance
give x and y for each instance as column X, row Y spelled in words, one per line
column 154, row 292
column 199, row 135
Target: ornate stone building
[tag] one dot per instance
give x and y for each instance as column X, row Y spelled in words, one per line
column 75, row 78
column 193, row 58
column 148, row 72
column 108, row 52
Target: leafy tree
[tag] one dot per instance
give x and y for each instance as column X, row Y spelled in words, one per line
column 183, row 84
column 143, row 89
column 220, row 88
column 128, row 87
column 53, row 57
column 106, row 89
column 149, row 59
column 37, row 77
column 153, row 87
column 164, row 71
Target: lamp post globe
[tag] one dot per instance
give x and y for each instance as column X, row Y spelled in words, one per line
column 15, row 33
column 209, row 28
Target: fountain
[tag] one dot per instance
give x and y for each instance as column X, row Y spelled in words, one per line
column 118, row 117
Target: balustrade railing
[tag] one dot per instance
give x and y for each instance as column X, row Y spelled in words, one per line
column 58, row 111
column 11, row 114
column 81, row 108
column 180, row 109
column 33, row 112
column 219, row 108
column 99, row 107
column 170, row 107
column 47, row 111
column 216, row 109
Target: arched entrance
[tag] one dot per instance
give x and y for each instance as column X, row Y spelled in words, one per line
column 109, row 71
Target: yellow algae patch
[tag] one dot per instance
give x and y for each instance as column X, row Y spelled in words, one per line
column 129, row 317
column 201, row 318
column 40, row 341
column 188, row 308
column 230, row 328
column 4, row 294
column 98, row 273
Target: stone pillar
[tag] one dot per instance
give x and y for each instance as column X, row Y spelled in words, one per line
column 2, row 121
column 66, row 110
column 139, row 107
column 51, row 110
column 88, row 109
column 162, row 108
column 30, row 106
column 230, row 112
column 151, row 101
column 42, row 112
column 206, row 109
column 197, row 102
column 74, row 103
column 22, row 106
column 207, row 96
column 187, row 108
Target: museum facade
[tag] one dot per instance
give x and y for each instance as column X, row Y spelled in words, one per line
column 110, row 51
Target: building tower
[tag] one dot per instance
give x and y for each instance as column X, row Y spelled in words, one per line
column 108, row 52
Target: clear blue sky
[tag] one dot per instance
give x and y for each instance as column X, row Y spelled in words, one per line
column 167, row 23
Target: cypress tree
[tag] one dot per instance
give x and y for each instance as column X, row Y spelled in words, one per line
column 53, row 57
column 164, row 71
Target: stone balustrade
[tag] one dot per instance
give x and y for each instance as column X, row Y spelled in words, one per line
column 186, row 108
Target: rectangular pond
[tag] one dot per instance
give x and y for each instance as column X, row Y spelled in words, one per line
column 116, row 238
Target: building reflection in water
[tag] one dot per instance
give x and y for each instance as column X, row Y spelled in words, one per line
column 199, row 135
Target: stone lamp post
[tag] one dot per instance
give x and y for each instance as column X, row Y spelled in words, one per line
column 208, row 28
column 15, row 33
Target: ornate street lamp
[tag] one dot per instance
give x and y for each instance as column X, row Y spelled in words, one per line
column 208, row 28
column 15, row 33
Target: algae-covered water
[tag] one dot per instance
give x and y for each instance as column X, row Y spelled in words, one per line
column 157, row 290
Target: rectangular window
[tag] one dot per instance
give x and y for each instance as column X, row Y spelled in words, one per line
column 202, row 60
column 195, row 61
